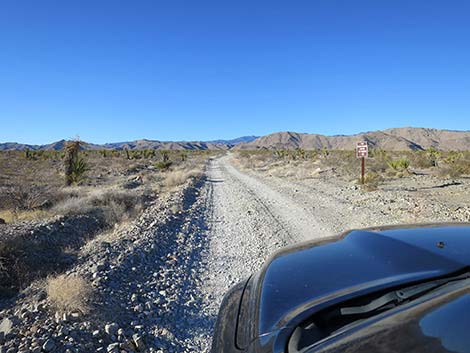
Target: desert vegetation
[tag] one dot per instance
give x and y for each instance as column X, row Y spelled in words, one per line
column 52, row 202
column 381, row 166
column 69, row 293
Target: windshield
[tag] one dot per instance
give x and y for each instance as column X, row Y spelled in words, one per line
column 342, row 317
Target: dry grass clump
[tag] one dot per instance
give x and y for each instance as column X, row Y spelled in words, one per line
column 69, row 293
column 455, row 170
column 372, row 181
column 179, row 177
column 10, row 216
column 116, row 204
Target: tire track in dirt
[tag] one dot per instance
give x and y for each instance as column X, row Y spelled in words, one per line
column 246, row 222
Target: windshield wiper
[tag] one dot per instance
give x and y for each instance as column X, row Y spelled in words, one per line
column 399, row 296
column 342, row 316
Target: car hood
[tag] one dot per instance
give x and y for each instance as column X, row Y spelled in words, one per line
column 298, row 281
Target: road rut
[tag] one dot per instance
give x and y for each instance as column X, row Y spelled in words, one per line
column 247, row 221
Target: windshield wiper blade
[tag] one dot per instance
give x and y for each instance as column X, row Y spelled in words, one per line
column 398, row 296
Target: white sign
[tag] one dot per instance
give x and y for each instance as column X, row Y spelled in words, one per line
column 362, row 150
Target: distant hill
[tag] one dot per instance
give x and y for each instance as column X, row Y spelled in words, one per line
column 165, row 145
column 397, row 139
column 234, row 142
column 137, row 145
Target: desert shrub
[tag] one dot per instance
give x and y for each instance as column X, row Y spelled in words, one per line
column 377, row 153
column 27, row 153
column 25, row 196
column 372, row 181
column 399, row 164
column 453, row 157
column 165, row 156
column 455, row 170
column 148, row 153
column 373, row 178
column 69, row 293
column 136, row 154
column 279, row 154
column 345, row 162
column 116, row 205
column 423, row 159
column 455, row 165
column 298, row 153
column 163, row 165
column 73, row 205
column 179, row 177
column 449, row 172
column 11, row 269
column 11, row 216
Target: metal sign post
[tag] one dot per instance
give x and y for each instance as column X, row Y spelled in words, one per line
column 362, row 151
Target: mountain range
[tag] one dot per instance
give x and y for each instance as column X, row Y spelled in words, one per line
column 137, row 145
column 397, row 139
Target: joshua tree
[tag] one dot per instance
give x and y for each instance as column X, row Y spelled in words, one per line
column 75, row 167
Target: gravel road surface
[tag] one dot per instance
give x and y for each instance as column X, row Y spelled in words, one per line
column 247, row 221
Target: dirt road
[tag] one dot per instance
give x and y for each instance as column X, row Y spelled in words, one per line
column 247, row 221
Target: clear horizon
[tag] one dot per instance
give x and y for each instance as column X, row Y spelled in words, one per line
column 187, row 71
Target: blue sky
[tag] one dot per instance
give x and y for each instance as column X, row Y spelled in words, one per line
column 110, row 70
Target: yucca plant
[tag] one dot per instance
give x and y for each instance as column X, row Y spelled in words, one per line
column 453, row 157
column 71, row 155
column 75, row 167
column 79, row 168
column 433, row 155
column 399, row 164
column 148, row 153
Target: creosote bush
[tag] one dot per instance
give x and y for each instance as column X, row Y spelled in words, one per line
column 69, row 293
